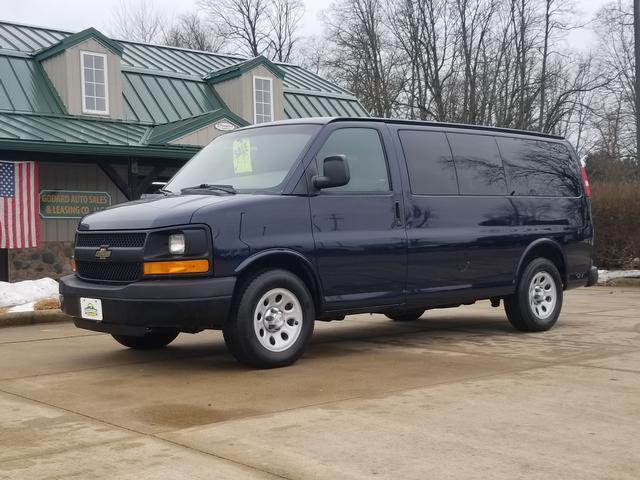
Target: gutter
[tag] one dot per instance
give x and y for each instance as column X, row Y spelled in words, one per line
column 178, row 152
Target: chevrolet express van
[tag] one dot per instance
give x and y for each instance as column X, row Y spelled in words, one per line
column 272, row 227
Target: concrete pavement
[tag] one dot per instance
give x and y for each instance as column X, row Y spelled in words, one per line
column 458, row 394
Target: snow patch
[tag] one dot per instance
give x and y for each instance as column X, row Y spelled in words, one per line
column 25, row 307
column 606, row 275
column 27, row 292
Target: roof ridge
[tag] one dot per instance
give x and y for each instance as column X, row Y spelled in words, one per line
column 192, row 117
column 30, row 25
column 148, row 44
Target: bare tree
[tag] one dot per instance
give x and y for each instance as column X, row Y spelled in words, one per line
column 313, row 54
column 242, row 22
column 256, row 27
column 284, row 18
column 616, row 113
column 425, row 32
column 360, row 57
column 190, row 31
column 139, row 22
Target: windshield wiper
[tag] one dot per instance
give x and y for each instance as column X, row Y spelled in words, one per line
column 164, row 191
column 211, row 186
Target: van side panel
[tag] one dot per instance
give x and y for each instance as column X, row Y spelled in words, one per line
column 254, row 223
column 465, row 247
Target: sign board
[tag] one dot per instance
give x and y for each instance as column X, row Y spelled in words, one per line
column 71, row 204
column 224, row 126
column 242, row 156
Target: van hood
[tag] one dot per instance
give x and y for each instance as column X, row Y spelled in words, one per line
column 151, row 212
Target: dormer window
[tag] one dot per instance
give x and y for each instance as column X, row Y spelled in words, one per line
column 262, row 100
column 95, row 98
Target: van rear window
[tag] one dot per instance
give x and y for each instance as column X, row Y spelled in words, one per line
column 539, row 168
column 478, row 164
column 429, row 161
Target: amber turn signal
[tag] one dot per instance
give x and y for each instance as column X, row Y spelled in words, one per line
column 176, row 267
column 72, row 262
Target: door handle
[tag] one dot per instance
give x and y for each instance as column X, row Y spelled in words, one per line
column 397, row 212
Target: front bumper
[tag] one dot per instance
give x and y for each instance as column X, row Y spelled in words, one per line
column 187, row 305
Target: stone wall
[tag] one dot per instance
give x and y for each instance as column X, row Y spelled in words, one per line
column 50, row 259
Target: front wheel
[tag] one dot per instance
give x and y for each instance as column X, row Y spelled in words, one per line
column 536, row 305
column 149, row 341
column 273, row 320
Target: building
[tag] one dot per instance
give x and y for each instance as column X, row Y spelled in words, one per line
column 105, row 119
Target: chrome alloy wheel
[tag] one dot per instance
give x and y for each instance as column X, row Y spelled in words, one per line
column 542, row 295
column 277, row 319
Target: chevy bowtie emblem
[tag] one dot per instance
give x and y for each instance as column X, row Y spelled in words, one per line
column 103, row 253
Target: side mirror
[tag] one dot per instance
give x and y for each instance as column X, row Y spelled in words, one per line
column 336, row 173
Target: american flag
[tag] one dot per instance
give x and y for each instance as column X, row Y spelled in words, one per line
column 19, row 221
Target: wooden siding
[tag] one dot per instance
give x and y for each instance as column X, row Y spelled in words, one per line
column 68, row 176
column 237, row 93
column 200, row 137
column 64, row 72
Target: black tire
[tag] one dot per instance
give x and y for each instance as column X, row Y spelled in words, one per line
column 150, row 341
column 241, row 334
column 405, row 315
column 520, row 308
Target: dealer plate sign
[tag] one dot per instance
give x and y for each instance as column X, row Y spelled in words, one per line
column 71, row 203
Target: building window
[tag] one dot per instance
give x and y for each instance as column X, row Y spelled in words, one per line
column 262, row 100
column 95, row 97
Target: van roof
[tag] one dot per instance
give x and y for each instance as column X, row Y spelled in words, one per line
column 394, row 121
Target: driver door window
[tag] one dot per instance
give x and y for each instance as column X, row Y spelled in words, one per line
column 367, row 164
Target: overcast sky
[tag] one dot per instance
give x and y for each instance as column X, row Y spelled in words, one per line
column 75, row 15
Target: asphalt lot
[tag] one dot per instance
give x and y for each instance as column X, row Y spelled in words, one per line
column 458, row 394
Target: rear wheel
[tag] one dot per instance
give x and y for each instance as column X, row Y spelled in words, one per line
column 536, row 305
column 149, row 341
column 273, row 320
column 405, row 315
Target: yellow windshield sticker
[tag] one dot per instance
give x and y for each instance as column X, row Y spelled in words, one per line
column 242, row 156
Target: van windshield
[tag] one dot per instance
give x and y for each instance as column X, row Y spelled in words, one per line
column 246, row 160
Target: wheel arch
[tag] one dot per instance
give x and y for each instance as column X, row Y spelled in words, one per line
column 285, row 259
column 546, row 248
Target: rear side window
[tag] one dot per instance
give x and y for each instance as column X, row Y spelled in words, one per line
column 365, row 156
column 478, row 164
column 539, row 168
column 429, row 162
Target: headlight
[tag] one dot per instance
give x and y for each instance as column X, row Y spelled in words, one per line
column 176, row 244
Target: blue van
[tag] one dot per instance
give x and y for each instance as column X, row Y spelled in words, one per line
column 272, row 227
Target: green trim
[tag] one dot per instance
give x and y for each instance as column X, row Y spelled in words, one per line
column 77, row 38
column 163, row 134
column 117, row 121
column 160, row 73
column 14, row 53
column 178, row 152
column 316, row 93
column 238, row 69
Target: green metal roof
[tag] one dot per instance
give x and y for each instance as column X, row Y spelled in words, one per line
column 159, row 99
column 158, row 58
column 25, row 87
column 238, row 69
column 65, row 133
column 300, row 105
column 165, row 94
column 23, row 38
column 174, row 130
column 75, row 39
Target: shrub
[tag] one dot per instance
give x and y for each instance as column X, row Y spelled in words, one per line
column 616, row 217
